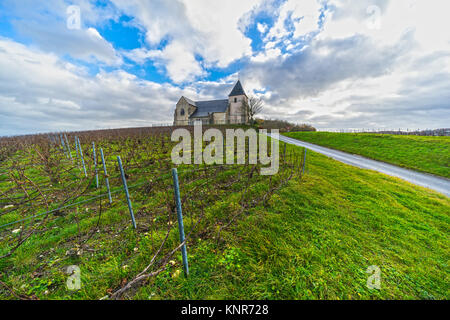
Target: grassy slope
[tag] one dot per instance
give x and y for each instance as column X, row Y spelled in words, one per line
column 428, row 154
column 314, row 240
column 317, row 238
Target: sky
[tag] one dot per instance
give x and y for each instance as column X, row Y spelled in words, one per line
column 335, row 64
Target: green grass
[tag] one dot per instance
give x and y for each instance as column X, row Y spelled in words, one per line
column 318, row 237
column 427, row 154
column 315, row 239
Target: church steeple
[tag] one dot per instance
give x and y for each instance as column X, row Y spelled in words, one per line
column 238, row 90
column 238, row 102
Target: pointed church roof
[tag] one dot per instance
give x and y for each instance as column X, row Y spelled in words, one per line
column 237, row 90
column 191, row 102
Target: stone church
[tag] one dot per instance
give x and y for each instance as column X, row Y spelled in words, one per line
column 233, row 110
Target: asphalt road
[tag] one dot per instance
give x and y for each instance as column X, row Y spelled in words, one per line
column 435, row 183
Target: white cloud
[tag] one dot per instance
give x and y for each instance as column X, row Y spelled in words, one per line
column 210, row 29
column 181, row 63
column 262, row 27
column 45, row 24
column 353, row 75
column 304, row 15
column 267, row 55
column 427, row 19
column 140, row 55
column 343, row 73
column 39, row 92
column 84, row 44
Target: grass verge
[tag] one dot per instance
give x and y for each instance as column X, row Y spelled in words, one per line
column 426, row 154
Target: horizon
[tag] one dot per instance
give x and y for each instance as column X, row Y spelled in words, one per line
column 331, row 130
column 87, row 65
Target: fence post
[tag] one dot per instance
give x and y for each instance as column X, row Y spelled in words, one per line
column 125, row 187
column 82, row 158
column 304, row 162
column 68, row 147
column 95, row 163
column 180, row 220
column 106, row 176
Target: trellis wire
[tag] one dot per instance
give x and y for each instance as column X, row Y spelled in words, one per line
column 119, row 189
column 70, row 205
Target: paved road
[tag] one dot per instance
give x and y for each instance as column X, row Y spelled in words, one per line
column 438, row 184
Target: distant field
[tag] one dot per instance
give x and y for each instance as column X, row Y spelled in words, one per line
column 427, row 154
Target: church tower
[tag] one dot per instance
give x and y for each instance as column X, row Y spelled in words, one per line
column 238, row 101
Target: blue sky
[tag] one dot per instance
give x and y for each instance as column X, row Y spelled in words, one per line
column 331, row 63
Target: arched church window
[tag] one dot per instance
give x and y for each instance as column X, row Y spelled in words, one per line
column 182, row 112
column 235, row 100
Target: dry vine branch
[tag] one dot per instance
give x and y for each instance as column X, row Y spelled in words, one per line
column 163, row 262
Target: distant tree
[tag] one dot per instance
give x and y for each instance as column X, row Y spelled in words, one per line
column 254, row 106
column 283, row 125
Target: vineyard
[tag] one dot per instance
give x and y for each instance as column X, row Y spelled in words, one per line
column 62, row 203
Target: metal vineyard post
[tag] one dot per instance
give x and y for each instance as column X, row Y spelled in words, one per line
column 106, row 176
column 95, row 163
column 82, row 158
column 180, row 221
column 68, row 147
column 304, row 162
column 125, row 187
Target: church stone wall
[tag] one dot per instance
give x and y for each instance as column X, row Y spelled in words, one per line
column 237, row 114
column 220, row 118
column 179, row 119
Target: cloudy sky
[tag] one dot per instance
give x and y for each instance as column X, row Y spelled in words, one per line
column 331, row 63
